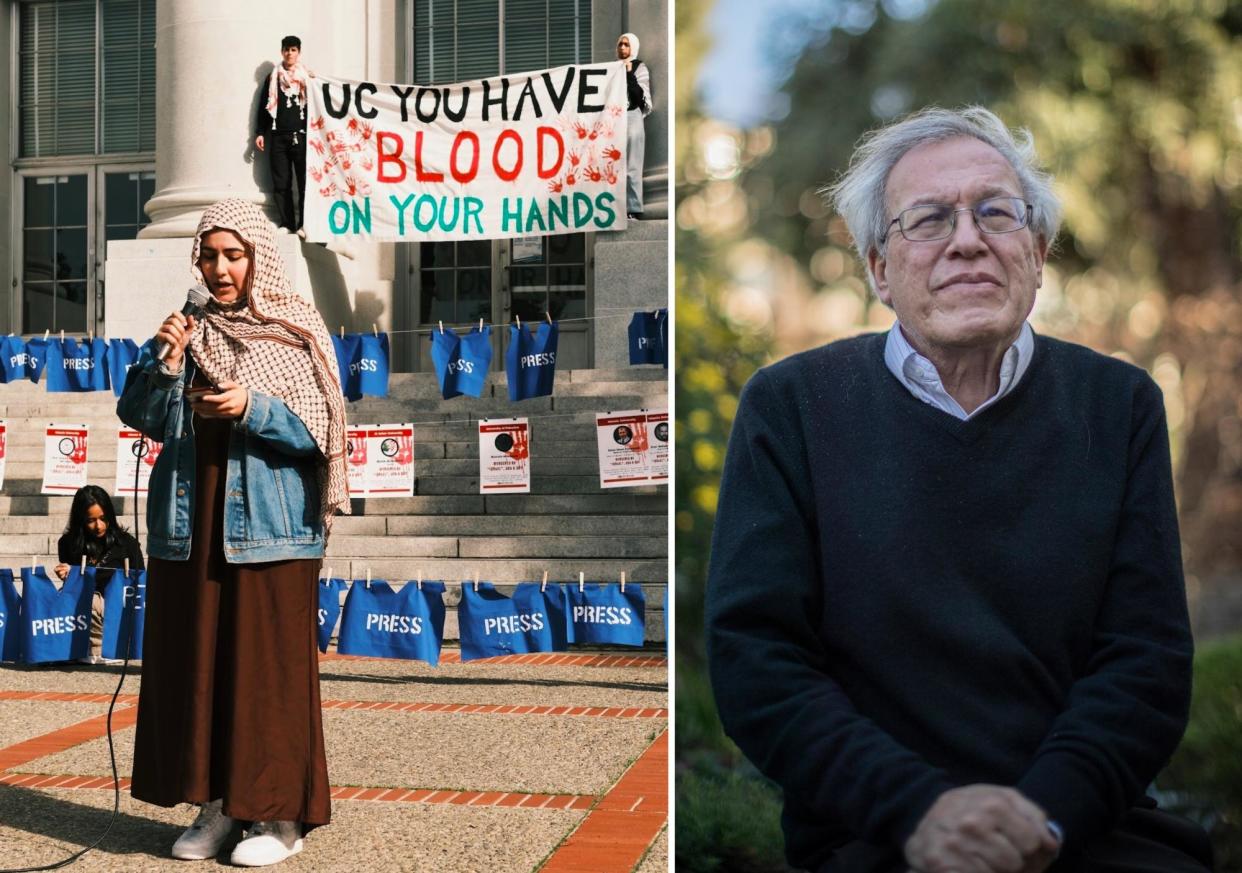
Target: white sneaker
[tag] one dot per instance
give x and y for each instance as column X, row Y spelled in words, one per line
column 203, row 839
column 268, row 842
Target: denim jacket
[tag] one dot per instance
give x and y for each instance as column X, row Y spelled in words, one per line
column 271, row 508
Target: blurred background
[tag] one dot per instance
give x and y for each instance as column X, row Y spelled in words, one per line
column 1136, row 107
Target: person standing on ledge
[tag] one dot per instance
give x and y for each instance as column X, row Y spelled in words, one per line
column 946, row 610
column 638, row 92
column 280, row 130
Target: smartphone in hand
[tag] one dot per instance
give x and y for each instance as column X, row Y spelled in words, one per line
column 195, row 392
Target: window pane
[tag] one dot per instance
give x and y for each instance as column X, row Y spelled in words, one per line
column 120, row 124
column 437, row 254
column 70, row 306
column 529, row 277
column 71, row 254
column 40, row 201
column 75, row 25
column 474, row 11
column 38, row 75
column 566, row 278
column 38, row 131
column 75, row 128
column 121, row 231
column 436, row 299
column 37, row 306
column 474, row 295
column 120, row 199
column 474, row 254
column 567, row 304
column 526, row 43
column 569, row 248
column 478, row 51
column 37, row 248
column 71, row 201
column 529, row 307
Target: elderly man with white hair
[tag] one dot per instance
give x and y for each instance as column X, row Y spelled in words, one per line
column 946, row 611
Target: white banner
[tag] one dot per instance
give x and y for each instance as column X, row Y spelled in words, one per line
column 134, row 452
column 528, row 154
column 64, row 458
column 381, row 460
column 622, row 441
column 4, row 448
column 504, row 456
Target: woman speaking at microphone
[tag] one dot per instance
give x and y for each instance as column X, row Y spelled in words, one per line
column 248, row 405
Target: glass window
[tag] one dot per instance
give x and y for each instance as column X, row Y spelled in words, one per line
column 124, row 196
column 63, row 106
column 548, row 276
column 456, row 282
column 54, row 247
column 460, row 40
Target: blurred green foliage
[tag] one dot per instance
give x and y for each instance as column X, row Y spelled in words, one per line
column 1207, row 769
column 1136, row 108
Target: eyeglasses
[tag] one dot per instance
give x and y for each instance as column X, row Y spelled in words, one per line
column 935, row 221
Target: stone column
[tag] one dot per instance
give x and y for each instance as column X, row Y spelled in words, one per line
column 210, row 61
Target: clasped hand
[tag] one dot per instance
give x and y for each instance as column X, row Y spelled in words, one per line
column 982, row 829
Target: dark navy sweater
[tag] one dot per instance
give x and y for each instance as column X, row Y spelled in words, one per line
column 901, row 602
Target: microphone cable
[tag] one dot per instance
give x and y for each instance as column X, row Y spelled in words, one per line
column 116, row 782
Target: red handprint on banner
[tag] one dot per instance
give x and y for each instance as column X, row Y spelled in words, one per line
column 2, row 441
column 78, row 455
column 358, row 450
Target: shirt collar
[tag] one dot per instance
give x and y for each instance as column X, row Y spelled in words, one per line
column 919, row 376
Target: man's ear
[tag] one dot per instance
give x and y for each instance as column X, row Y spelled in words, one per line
column 878, row 266
column 1041, row 255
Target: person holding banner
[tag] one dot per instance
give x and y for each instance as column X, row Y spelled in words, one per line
column 638, row 91
column 248, row 405
column 280, row 130
column 94, row 535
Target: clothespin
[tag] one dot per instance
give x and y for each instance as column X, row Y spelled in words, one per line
column 342, row 331
column 581, row 582
column 33, row 562
column 329, row 579
column 544, row 586
column 83, row 568
column 480, row 325
column 375, row 329
column 368, row 578
column 519, row 320
column 622, row 581
column 45, row 333
column 548, row 316
column 442, row 327
column 127, row 566
column 420, row 580
column 90, row 335
column 476, row 580
column 62, row 334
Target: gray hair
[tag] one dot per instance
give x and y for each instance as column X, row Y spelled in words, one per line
column 859, row 194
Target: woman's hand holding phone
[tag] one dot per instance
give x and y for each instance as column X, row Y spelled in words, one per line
column 226, row 400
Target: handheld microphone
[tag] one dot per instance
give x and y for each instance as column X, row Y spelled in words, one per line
column 195, row 300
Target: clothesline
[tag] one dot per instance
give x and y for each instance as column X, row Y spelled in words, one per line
column 416, row 330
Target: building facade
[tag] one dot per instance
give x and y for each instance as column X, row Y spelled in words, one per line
column 128, row 117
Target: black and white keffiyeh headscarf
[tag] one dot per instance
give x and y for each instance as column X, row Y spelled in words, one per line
column 275, row 342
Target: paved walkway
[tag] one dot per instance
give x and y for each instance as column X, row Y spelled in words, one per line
column 556, row 763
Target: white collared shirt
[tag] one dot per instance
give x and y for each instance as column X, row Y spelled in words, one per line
column 921, row 379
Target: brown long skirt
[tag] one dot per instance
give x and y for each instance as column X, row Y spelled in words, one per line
column 229, row 705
